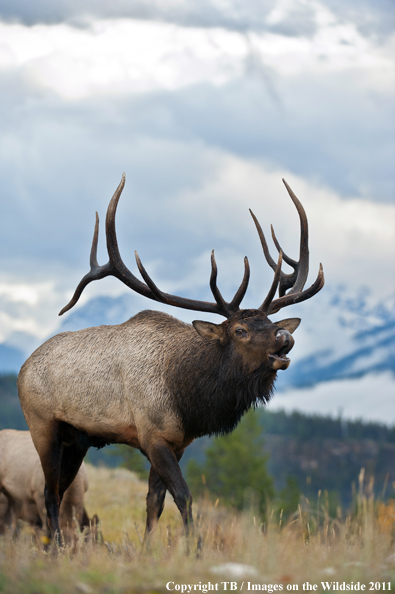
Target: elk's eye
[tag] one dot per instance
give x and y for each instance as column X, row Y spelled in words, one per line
column 240, row 332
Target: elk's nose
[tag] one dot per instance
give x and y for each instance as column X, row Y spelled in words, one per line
column 285, row 340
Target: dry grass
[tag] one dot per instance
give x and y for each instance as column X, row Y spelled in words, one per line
column 311, row 548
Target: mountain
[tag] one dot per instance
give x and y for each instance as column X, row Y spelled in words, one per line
column 353, row 338
column 368, row 353
column 100, row 310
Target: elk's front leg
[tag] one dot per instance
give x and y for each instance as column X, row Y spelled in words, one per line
column 165, row 466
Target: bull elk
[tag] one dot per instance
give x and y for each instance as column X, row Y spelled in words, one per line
column 154, row 382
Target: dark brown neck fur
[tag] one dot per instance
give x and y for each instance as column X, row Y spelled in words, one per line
column 212, row 389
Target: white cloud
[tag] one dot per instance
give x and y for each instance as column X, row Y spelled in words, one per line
column 21, row 292
column 350, row 237
column 126, row 56
column 120, row 56
column 27, row 308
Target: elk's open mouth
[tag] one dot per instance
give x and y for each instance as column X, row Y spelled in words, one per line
column 279, row 360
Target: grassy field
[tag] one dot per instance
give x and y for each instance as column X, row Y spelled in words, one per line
column 229, row 552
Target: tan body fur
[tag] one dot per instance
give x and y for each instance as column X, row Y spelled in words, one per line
column 22, row 486
column 109, row 382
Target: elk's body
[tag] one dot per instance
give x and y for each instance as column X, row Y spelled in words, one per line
column 152, row 375
column 153, row 382
column 22, row 486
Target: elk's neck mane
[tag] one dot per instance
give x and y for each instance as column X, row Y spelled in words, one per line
column 212, row 387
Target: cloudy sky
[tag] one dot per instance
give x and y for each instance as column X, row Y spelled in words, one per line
column 205, row 106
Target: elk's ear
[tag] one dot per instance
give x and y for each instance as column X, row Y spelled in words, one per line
column 289, row 324
column 210, row 331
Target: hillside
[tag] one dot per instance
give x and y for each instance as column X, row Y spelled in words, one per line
column 11, row 416
column 322, row 453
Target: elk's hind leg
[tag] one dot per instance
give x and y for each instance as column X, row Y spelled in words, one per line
column 72, row 458
column 61, row 456
column 48, row 443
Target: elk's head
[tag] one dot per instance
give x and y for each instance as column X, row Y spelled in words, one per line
column 254, row 337
column 250, row 332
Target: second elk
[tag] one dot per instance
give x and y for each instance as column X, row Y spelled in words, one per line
column 22, row 490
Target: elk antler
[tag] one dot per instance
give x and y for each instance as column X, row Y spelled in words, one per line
column 116, row 267
column 297, row 279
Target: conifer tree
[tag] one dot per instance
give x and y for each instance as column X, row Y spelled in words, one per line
column 235, row 468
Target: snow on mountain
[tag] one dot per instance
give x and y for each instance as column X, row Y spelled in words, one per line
column 343, row 361
column 99, row 311
column 348, row 337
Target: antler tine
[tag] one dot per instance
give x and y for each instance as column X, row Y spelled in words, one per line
column 233, row 306
column 119, row 270
column 292, row 298
column 158, row 294
column 286, row 280
column 241, row 291
column 266, row 252
column 270, row 296
column 286, row 258
column 297, row 279
column 220, row 307
column 93, row 257
column 96, row 272
column 213, row 285
column 302, row 268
